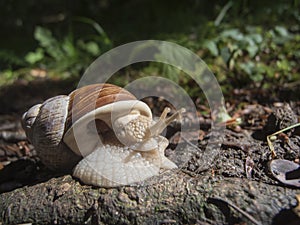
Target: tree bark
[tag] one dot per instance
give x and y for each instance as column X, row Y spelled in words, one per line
column 171, row 198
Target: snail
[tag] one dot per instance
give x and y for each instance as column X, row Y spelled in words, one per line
column 102, row 132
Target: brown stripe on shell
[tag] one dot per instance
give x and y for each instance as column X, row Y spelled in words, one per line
column 88, row 98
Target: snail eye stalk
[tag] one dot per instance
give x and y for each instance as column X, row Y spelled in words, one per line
column 164, row 121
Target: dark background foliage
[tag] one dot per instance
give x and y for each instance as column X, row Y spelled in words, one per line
column 252, row 44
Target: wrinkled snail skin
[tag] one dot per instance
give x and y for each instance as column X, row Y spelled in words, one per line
column 107, row 126
column 111, row 166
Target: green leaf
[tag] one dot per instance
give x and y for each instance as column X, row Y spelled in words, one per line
column 252, row 50
column 226, row 55
column 212, row 47
column 257, row 77
column 68, row 47
column 97, row 27
column 50, row 44
column 284, row 65
column 248, row 67
column 235, row 34
column 256, row 38
column 222, row 115
column 44, row 36
column 9, row 58
column 92, row 48
column 282, row 31
column 34, row 57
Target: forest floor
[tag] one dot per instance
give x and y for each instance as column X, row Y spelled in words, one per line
column 243, row 161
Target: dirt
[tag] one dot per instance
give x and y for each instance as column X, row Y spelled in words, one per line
column 212, row 179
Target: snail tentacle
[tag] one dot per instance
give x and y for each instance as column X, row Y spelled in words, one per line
column 158, row 127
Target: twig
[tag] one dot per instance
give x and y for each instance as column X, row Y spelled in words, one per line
column 272, row 137
column 190, row 173
column 251, row 218
column 189, row 142
column 222, row 14
column 8, row 126
column 12, row 136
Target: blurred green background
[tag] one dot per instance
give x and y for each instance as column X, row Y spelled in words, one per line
column 247, row 44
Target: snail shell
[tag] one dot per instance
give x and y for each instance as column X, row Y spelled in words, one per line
column 44, row 125
column 124, row 148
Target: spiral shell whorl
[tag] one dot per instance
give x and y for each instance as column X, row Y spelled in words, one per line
column 91, row 97
column 49, row 129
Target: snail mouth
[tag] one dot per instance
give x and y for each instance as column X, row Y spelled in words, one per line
column 146, row 145
column 158, row 127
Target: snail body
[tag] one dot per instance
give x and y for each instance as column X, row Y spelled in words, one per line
column 101, row 132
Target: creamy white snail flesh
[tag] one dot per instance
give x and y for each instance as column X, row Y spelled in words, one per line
column 138, row 154
column 110, row 166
